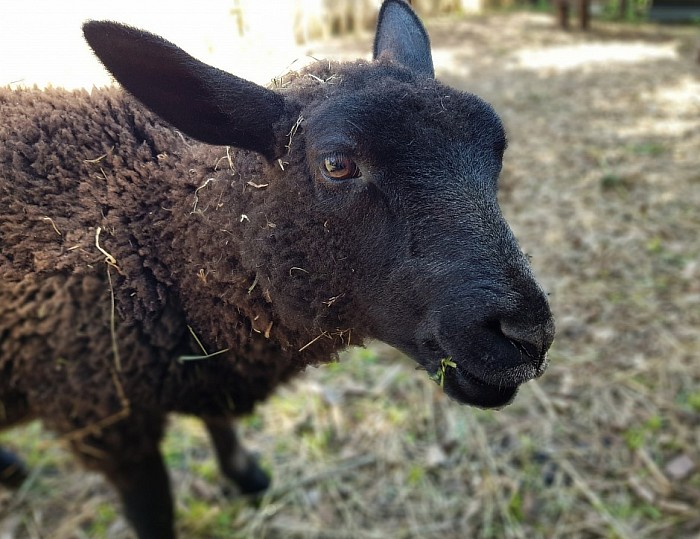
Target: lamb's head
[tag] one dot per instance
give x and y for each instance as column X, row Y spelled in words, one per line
column 382, row 188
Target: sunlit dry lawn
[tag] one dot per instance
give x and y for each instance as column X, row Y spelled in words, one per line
column 601, row 184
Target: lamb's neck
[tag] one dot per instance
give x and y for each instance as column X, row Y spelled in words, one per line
column 203, row 247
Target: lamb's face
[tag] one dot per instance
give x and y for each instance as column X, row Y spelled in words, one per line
column 380, row 218
column 403, row 175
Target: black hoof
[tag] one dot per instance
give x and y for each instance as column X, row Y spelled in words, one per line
column 254, row 481
column 12, row 470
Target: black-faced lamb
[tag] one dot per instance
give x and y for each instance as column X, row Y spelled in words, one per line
column 352, row 201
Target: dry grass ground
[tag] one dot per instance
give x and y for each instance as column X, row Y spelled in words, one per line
column 602, row 186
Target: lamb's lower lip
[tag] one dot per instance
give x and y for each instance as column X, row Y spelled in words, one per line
column 468, row 389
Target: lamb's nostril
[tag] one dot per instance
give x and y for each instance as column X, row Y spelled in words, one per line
column 532, row 341
column 527, row 349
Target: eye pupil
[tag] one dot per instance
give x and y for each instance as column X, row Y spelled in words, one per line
column 340, row 167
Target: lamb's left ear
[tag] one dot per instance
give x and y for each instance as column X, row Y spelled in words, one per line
column 401, row 36
column 200, row 100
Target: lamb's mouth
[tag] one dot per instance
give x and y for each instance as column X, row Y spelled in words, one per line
column 468, row 389
column 469, row 381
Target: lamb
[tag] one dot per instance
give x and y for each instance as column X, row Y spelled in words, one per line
column 258, row 231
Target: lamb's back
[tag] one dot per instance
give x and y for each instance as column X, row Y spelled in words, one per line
column 58, row 151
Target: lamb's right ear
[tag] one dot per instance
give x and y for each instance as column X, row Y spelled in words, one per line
column 401, row 36
column 200, row 100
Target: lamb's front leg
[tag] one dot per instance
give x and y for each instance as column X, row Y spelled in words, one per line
column 144, row 489
column 235, row 462
column 127, row 453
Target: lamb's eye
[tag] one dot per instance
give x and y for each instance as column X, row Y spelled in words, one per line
column 340, row 167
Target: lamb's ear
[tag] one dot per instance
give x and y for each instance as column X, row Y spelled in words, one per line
column 401, row 36
column 200, row 100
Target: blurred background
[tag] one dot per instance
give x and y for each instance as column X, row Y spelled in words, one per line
column 601, row 184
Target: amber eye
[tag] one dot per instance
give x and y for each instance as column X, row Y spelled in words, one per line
column 339, row 167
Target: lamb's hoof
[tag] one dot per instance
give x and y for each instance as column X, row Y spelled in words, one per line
column 252, row 482
column 12, row 470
